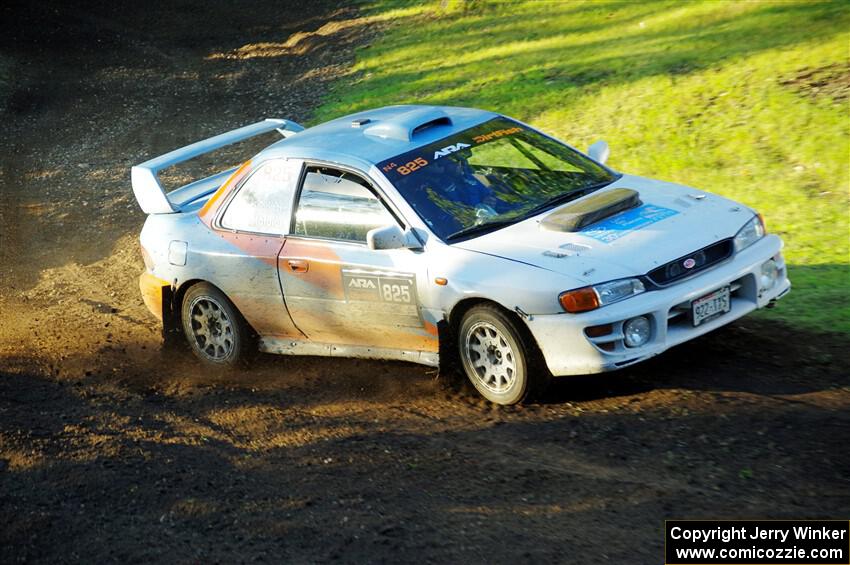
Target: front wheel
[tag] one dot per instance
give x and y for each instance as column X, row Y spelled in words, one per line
column 215, row 329
column 498, row 357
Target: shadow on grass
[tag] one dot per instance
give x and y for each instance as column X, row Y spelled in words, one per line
column 518, row 66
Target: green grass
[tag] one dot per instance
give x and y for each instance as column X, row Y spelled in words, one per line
column 702, row 93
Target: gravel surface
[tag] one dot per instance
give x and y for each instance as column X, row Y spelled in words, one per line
column 112, row 449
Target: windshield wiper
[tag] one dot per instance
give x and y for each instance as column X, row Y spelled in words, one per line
column 480, row 229
column 563, row 198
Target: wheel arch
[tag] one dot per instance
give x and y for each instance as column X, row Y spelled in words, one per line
column 448, row 333
column 466, row 304
column 172, row 319
column 536, row 365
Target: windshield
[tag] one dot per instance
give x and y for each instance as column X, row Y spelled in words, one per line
column 489, row 176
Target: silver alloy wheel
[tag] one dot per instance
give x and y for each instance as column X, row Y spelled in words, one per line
column 490, row 356
column 211, row 328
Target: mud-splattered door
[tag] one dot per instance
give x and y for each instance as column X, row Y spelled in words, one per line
column 338, row 290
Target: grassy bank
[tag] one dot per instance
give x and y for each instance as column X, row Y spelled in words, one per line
column 745, row 99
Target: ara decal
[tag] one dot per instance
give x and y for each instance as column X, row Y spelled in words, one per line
column 450, row 149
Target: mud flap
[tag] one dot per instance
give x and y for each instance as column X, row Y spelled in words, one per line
column 449, row 359
column 172, row 333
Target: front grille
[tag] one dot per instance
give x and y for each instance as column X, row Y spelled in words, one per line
column 692, row 263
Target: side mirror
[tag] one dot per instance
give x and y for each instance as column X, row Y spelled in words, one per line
column 391, row 237
column 599, row 151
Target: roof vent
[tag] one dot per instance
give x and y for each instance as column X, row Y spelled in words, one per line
column 360, row 122
column 446, row 121
column 404, row 126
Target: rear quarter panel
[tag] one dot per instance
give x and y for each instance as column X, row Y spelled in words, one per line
column 243, row 266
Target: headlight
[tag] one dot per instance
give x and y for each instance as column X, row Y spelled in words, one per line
column 593, row 297
column 750, row 233
column 636, row 332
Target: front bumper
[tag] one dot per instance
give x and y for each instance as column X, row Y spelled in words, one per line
column 569, row 351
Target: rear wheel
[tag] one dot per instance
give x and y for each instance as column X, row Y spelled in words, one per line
column 498, row 357
column 215, row 330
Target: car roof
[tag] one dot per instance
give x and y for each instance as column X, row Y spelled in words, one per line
column 372, row 136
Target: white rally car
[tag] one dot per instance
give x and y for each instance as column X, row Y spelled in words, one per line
column 427, row 234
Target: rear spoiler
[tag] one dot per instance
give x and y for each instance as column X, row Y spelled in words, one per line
column 151, row 195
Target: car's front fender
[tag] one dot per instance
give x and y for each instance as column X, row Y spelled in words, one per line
column 459, row 274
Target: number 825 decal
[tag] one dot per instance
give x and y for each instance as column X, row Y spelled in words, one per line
column 395, row 293
column 408, row 168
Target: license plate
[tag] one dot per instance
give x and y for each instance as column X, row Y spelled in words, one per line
column 710, row 306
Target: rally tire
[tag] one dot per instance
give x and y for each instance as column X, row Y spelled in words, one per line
column 499, row 356
column 215, row 330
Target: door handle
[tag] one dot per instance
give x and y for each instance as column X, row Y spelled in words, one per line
column 298, row 265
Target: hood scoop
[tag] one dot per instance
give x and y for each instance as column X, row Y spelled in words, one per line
column 573, row 217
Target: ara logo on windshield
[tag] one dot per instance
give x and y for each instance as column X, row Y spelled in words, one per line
column 450, row 149
column 361, row 283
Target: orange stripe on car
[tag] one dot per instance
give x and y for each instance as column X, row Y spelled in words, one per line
column 205, row 212
column 431, row 329
column 325, row 270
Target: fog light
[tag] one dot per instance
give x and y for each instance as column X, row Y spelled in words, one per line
column 637, row 331
column 769, row 274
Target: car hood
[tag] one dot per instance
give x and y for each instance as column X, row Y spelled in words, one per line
column 672, row 221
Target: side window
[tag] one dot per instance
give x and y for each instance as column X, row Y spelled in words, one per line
column 264, row 201
column 338, row 205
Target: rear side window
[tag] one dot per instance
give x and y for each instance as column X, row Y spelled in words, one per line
column 338, row 205
column 264, row 201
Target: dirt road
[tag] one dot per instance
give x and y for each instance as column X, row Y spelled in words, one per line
column 113, row 450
